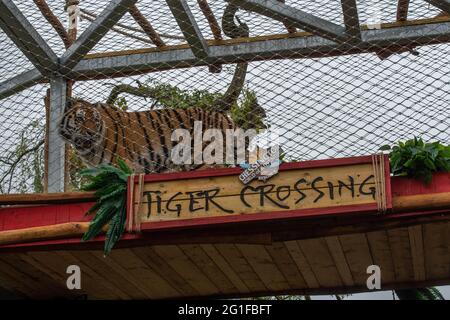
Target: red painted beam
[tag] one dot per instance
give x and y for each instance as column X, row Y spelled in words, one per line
column 20, row 217
column 402, row 186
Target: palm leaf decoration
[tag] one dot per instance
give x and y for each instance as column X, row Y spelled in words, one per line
column 110, row 186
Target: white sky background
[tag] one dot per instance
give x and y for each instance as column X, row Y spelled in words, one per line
column 325, row 108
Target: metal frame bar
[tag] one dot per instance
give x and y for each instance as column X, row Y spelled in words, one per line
column 26, row 38
column 20, row 82
column 295, row 17
column 92, row 35
column 56, row 145
column 351, row 19
column 289, row 28
column 444, row 5
column 188, row 25
column 267, row 48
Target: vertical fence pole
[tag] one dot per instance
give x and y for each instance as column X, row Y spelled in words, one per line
column 56, row 146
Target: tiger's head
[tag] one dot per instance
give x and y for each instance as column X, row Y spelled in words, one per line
column 82, row 125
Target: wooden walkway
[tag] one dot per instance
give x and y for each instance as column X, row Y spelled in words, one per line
column 318, row 255
column 415, row 255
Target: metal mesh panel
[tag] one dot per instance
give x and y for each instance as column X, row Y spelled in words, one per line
column 329, row 93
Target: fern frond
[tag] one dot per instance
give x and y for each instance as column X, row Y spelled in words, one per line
column 110, row 186
column 93, row 209
column 123, row 166
column 119, row 192
column 104, row 214
column 116, row 229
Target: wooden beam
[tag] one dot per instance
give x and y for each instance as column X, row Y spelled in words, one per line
column 340, row 261
column 46, row 198
column 430, row 201
column 64, row 230
column 393, row 36
column 188, row 25
column 209, row 15
column 417, row 252
column 260, row 234
column 54, row 21
column 92, row 35
column 402, row 10
column 146, row 26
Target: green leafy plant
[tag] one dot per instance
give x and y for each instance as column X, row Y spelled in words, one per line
column 419, row 294
column 416, row 159
column 246, row 113
column 110, row 186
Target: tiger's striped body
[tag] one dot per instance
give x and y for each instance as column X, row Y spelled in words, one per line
column 100, row 133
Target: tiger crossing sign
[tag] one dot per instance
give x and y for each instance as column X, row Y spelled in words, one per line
column 347, row 185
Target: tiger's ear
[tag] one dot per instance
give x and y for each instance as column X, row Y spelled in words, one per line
column 70, row 102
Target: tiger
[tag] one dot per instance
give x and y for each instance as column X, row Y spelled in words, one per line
column 102, row 133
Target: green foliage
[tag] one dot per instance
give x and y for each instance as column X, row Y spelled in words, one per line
column 164, row 96
column 122, row 104
column 246, row 112
column 38, row 172
column 173, row 97
column 110, row 186
column 22, row 164
column 416, row 159
column 75, row 165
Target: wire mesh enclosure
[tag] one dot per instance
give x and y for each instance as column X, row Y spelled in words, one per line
column 335, row 78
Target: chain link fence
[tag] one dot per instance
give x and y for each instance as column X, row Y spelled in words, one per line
column 331, row 88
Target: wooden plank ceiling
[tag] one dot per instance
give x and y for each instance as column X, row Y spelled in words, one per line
column 414, row 255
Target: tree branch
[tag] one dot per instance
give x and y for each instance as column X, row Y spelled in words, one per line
column 54, row 21
column 141, row 91
column 146, row 26
column 209, row 15
column 14, row 163
column 232, row 30
column 90, row 16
